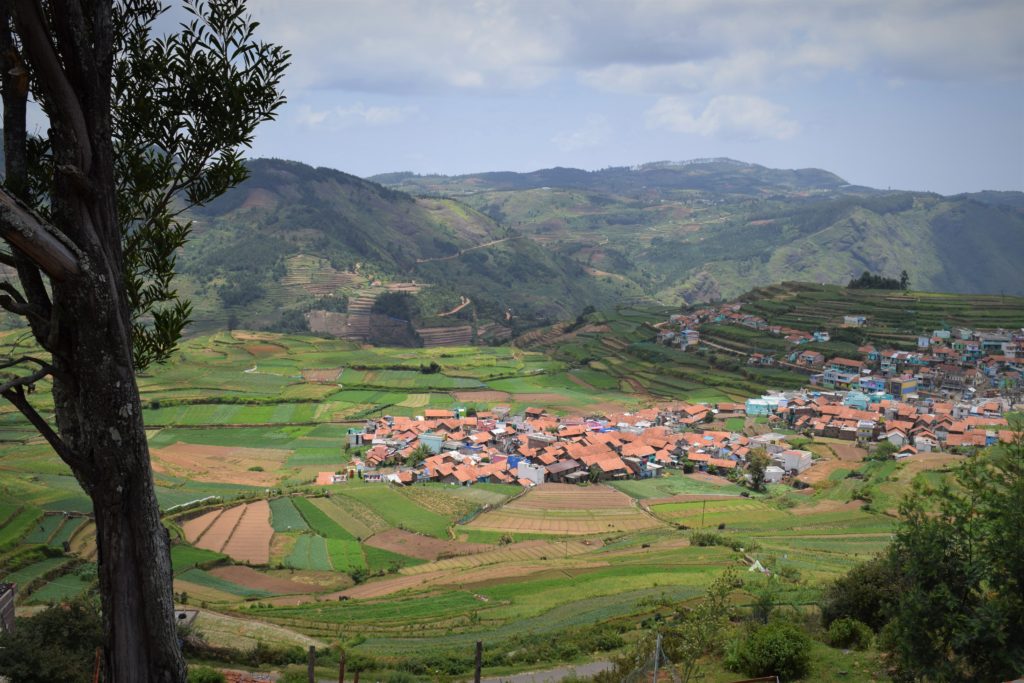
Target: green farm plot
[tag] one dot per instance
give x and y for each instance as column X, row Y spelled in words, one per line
column 319, row 521
column 201, row 578
column 306, row 456
column 674, row 483
column 346, row 556
column 62, row 588
column 284, row 516
column 740, row 513
column 18, row 526
column 66, row 531
column 397, row 509
column 44, row 529
column 227, row 414
column 353, row 516
column 380, row 560
column 310, row 552
column 27, row 575
column 185, row 556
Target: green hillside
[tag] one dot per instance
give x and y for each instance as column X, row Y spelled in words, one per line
column 488, row 256
column 714, row 229
column 294, row 238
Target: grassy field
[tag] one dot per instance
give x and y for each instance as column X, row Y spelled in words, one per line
column 538, row 566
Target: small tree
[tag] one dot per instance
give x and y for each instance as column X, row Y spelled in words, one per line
column 58, row 644
column 139, row 128
column 904, row 280
column 700, row 627
column 418, row 455
column 958, row 612
column 757, row 464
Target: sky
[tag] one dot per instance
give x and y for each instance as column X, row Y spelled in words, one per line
column 907, row 94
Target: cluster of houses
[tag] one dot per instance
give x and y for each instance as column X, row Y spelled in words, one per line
column 913, row 425
column 535, row 447
column 957, row 362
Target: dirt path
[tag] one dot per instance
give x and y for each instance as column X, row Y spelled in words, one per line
column 460, row 252
column 465, row 302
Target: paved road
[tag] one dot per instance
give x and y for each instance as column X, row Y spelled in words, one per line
column 552, row 675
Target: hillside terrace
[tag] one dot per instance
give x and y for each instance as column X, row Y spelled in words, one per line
column 948, row 362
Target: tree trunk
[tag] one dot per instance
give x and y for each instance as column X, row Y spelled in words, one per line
column 99, row 417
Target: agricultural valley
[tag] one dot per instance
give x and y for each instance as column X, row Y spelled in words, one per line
column 301, row 511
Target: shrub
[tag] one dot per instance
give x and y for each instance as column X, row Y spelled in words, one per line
column 204, row 674
column 778, row 648
column 847, row 632
column 865, row 593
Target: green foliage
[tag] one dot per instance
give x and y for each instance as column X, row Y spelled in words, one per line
column 57, row 644
column 204, row 674
column 959, row 610
column 778, row 648
column 871, row 281
column 850, row 633
column 698, row 630
column 184, row 105
column 885, row 450
column 711, row 538
column 864, row 594
column 757, row 464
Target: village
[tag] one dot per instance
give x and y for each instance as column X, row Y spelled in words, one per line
column 531, row 448
column 955, row 363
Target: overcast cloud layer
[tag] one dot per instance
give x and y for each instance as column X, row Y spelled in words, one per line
column 916, row 94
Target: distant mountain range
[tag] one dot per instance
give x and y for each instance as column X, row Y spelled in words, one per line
column 525, row 248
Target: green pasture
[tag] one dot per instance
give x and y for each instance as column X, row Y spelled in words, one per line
column 284, row 516
column 320, row 522
column 310, row 552
column 184, row 557
column 395, row 508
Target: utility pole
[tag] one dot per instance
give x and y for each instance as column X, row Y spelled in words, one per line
column 703, row 509
column 479, row 661
column 341, row 668
column 311, row 664
column 657, row 658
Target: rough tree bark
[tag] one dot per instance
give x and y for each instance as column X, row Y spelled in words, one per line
column 84, row 321
column 95, row 286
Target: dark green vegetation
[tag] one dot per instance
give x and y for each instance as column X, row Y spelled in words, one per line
column 717, row 228
column 893, row 318
column 531, row 248
column 616, row 349
column 58, row 644
column 953, row 609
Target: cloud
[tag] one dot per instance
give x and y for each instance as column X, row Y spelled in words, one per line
column 731, row 116
column 657, row 46
column 355, row 114
column 594, row 132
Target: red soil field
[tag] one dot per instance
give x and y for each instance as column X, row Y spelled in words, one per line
column 250, row 540
column 250, row 578
column 422, row 547
column 217, row 535
column 228, row 464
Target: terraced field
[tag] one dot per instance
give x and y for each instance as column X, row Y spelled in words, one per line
column 562, row 509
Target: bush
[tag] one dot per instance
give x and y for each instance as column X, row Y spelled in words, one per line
column 866, row 594
column 778, row 648
column 204, row 674
column 57, row 644
column 847, row 632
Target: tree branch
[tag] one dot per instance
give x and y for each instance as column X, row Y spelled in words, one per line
column 64, row 104
column 8, row 260
column 20, row 226
column 16, row 395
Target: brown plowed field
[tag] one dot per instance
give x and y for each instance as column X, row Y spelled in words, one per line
column 328, row 376
column 216, row 537
column 227, row 464
column 422, row 547
column 195, row 527
column 848, row 452
column 480, row 396
column 250, row 578
column 250, row 541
